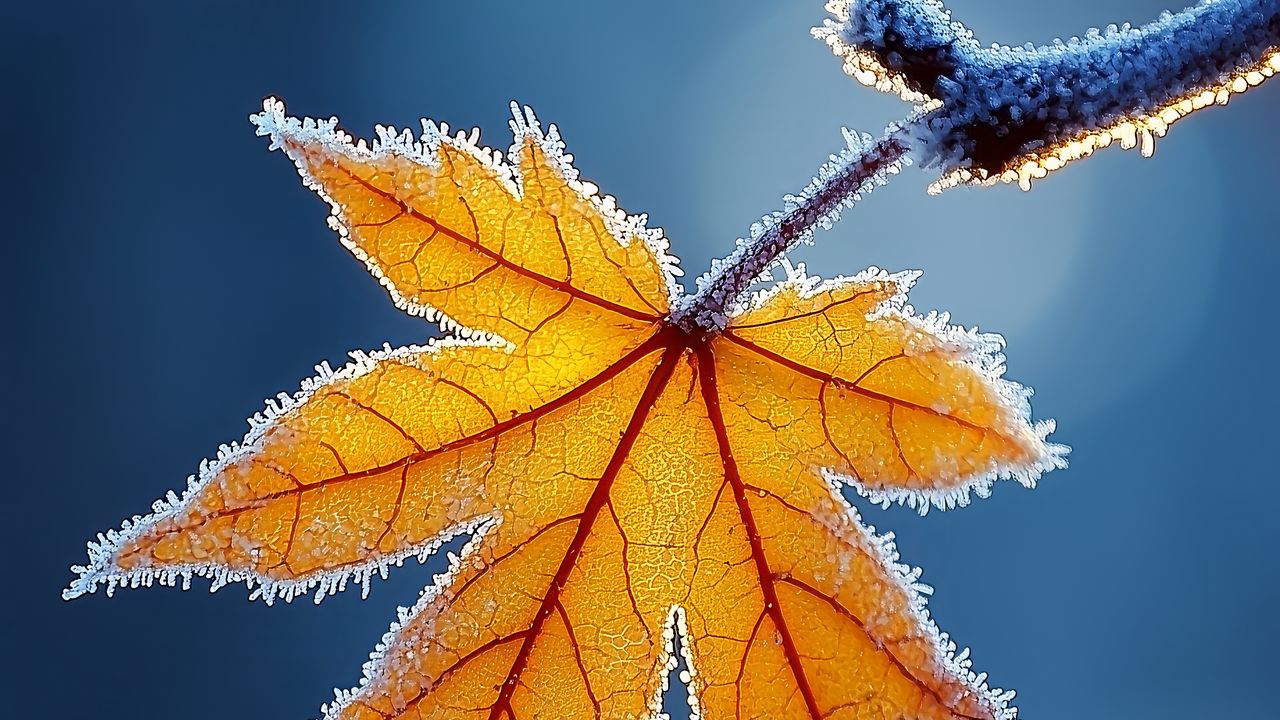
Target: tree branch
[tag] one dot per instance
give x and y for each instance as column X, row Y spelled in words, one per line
column 999, row 113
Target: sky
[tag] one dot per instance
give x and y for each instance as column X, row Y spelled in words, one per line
column 164, row 273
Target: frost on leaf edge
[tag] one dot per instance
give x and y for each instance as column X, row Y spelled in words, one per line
column 953, row 660
column 674, row 624
column 101, row 570
column 389, row 141
column 982, row 351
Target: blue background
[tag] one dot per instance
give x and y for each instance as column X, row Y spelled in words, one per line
column 163, row 273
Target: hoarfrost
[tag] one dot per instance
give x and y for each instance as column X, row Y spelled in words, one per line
column 982, row 351
column 955, row 662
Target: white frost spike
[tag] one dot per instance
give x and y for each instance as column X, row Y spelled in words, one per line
column 283, row 130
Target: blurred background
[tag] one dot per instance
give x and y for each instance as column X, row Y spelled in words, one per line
column 164, row 273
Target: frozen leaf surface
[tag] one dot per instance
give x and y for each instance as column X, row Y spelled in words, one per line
column 621, row 479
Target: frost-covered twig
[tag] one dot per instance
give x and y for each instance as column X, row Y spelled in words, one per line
column 1005, row 113
column 1001, row 113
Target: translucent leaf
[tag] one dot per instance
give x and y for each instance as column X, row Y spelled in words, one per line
column 622, row 480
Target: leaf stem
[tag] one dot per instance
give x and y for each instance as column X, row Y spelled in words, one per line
column 838, row 185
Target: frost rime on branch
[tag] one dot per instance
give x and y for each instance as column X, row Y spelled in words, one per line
column 1000, row 106
column 1002, row 113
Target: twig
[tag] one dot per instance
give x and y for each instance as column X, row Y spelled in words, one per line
column 1000, row 113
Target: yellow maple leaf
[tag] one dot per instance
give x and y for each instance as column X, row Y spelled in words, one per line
column 622, row 479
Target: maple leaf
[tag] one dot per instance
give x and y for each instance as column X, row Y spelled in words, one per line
column 622, row 477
